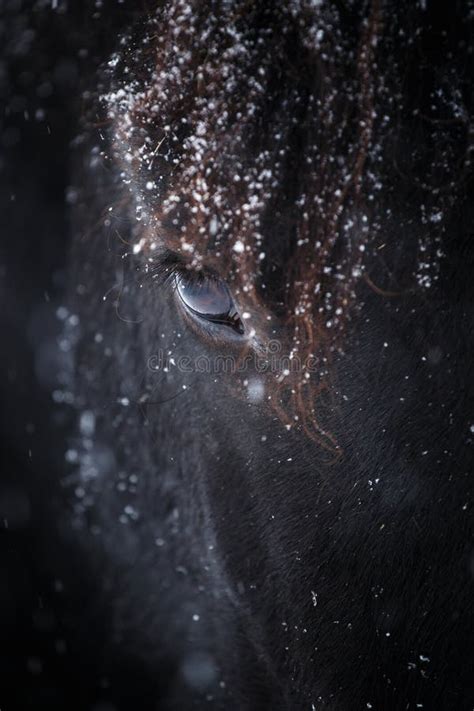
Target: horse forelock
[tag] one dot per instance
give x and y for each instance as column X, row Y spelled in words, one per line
column 253, row 138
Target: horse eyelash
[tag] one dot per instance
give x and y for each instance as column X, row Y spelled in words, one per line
column 169, row 266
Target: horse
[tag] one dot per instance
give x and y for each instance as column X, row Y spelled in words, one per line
column 270, row 328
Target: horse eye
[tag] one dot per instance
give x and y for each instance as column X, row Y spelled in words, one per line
column 209, row 298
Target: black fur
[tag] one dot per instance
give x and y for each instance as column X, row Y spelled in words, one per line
column 234, row 572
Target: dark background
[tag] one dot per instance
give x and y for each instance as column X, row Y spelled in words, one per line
column 51, row 633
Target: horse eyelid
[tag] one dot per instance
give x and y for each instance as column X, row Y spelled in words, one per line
column 171, row 267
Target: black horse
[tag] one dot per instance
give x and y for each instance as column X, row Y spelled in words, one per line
column 266, row 350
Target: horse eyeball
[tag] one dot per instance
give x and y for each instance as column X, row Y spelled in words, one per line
column 209, row 298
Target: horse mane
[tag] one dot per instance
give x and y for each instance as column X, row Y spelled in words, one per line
column 254, row 139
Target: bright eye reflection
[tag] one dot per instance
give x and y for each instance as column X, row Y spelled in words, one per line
column 209, row 298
